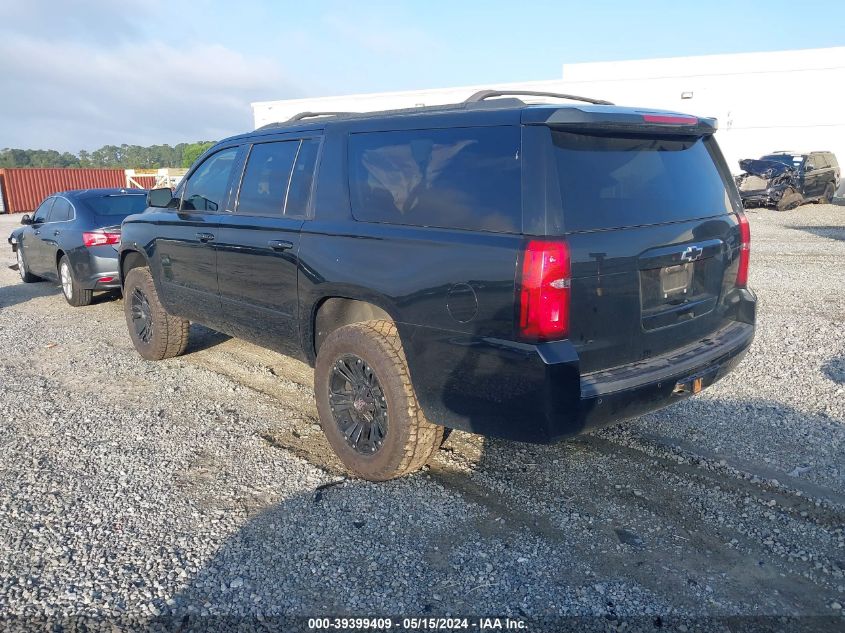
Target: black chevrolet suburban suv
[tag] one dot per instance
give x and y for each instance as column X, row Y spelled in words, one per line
column 514, row 270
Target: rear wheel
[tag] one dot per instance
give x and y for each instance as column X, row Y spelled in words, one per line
column 155, row 333
column 367, row 404
column 74, row 295
column 827, row 196
column 26, row 276
column 789, row 200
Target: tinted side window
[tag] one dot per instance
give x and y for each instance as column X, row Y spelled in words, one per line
column 206, row 188
column 299, row 192
column 266, row 178
column 43, row 210
column 462, row 178
column 62, row 211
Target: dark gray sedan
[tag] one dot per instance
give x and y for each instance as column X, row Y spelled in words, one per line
column 73, row 237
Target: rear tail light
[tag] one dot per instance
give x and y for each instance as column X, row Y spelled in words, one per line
column 545, row 291
column 100, row 238
column 744, row 251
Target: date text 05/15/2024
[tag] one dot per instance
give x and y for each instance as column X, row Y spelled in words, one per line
column 423, row 624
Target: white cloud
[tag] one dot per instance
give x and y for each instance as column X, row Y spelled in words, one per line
column 71, row 90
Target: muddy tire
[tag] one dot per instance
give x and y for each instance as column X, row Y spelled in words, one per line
column 23, row 270
column 790, row 200
column 367, row 404
column 827, row 196
column 155, row 333
column 73, row 294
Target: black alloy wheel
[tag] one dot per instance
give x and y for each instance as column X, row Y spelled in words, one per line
column 358, row 404
column 142, row 317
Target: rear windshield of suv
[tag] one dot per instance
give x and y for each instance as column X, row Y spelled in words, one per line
column 125, row 204
column 461, row 178
column 618, row 181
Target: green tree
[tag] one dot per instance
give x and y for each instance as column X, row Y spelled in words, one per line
column 123, row 156
column 192, row 151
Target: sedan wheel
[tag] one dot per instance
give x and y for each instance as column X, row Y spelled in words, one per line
column 26, row 276
column 67, row 280
column 75, row 295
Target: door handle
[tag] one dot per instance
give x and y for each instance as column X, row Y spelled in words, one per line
column 280, row 245
column 38, row 232
column 205, row 237
column 56, row 232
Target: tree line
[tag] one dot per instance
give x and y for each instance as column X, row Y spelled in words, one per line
column 121, row 156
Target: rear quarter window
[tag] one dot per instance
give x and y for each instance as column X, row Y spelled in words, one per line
column 62, row 211
column 460, row 178
column 621, row 181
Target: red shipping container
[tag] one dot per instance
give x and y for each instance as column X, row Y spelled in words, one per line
column 23, row 188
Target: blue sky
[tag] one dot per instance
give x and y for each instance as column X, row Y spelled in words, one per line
column 82, row 74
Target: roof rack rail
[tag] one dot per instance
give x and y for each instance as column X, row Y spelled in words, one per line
column 481, row 95
column 309, row 115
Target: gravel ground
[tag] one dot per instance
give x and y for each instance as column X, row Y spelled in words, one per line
column 140, row 493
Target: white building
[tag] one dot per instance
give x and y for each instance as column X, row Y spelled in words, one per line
column 785, row 100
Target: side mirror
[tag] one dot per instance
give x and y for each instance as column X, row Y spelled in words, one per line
column 26, row 220
column 159, row 197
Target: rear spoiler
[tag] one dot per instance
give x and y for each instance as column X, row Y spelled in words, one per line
column 611, row 118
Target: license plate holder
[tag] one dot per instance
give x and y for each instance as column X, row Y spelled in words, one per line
column 676, row 279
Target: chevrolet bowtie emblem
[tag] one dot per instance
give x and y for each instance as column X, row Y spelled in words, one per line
column 691, row 254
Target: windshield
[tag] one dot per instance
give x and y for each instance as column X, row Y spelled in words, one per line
column 118, row 205
column 789, row 160
column 616, row 181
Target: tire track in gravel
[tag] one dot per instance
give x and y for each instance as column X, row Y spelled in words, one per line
column 652, row 465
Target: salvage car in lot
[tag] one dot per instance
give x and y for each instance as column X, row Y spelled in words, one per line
column 73, row 238
column 521, row 271
column 786, row 180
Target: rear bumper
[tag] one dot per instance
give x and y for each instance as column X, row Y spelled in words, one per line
column 92, row 266
column 631, row 390
column 536, row 393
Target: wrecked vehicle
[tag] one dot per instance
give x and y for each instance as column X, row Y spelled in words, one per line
column 785, row 180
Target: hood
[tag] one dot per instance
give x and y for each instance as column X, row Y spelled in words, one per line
column 764, row 168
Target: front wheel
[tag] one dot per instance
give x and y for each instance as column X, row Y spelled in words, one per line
column 155, row 333
column 367, row 404
column 26, row 276
column 827, row 196
column 74, row 295
column 790, row 200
